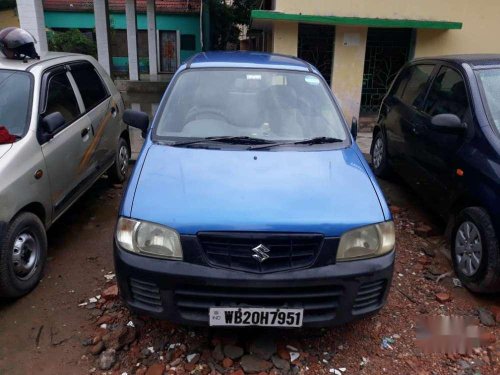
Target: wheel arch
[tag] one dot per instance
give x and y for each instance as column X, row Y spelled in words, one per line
column 126, row 135
column 461, row 202
column 36, row 208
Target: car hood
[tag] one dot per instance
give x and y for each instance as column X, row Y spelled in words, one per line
column 4, row 149
column 195, row 190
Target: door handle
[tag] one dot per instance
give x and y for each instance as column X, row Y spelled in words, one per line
column 85, row 132
column 114, row 111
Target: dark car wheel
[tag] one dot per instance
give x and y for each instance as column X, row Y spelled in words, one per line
column 23, row 252
column 475, row 251
column 118, row 171
column 379, row 155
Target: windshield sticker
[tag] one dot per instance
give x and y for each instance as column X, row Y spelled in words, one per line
column 312, row 80
column 257, row 77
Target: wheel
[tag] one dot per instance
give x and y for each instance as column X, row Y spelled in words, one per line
column 118, row 171
column 475, row 251
column 379, row 156
column 23, row 252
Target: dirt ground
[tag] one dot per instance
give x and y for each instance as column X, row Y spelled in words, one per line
column 47, row 332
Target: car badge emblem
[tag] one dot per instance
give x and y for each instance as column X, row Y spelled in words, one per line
column 260, row 253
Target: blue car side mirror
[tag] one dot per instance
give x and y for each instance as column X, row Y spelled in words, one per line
column 136, row 119
column 354, row 127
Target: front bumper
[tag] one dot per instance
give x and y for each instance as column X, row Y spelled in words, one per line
column 182, row 292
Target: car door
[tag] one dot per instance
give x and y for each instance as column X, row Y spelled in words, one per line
column 435, row 149
column 402, row 106
column 64, row 150
column 102, row 112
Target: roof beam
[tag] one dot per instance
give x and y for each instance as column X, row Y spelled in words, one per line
column 266, row 15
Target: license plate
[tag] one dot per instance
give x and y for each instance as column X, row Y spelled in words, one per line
column 255, row 316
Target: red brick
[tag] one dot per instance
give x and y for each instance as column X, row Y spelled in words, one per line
column 443, row 297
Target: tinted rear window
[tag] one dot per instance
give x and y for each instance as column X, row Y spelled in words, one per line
column 448, row 94
column 90, row 85
column 413, row 84
column 15, row 101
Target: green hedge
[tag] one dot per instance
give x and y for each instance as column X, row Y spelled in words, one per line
column 72, row 40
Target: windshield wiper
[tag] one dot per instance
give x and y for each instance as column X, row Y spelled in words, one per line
column 311, row 141
column 225, row 139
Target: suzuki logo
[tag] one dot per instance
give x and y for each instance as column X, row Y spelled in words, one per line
column 260, row 253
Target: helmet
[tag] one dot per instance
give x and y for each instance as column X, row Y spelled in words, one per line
column 16, row 43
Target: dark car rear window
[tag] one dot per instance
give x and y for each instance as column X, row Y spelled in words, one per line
column 90, row 85
column 413, row 84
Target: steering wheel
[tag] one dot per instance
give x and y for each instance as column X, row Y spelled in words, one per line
column 205, row 111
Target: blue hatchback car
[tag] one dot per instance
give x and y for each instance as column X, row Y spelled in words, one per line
column 250, row 203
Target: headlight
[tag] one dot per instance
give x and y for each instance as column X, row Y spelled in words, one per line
column 367, row 242
column 148, row 239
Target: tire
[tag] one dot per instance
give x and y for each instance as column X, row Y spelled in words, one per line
column 378, row 153
column 475, row 251
column 118, row 171
column 26, row 242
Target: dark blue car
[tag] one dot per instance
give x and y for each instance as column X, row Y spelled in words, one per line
column 250, row 203
column 439, row 128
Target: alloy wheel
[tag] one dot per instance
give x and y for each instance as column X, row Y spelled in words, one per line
column 123, row 159
column 468, row 248
column 378, row 152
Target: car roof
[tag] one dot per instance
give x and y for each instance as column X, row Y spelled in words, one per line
column 46, row 60
column 247, row 59
column 474, row 60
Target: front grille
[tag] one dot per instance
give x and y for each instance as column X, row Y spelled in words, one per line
column 369, row 296
column 145, row 293
column 319, row 303
column 286, row 251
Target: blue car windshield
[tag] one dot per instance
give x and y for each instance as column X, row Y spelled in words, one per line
column 490, row 82
column 271, row 105
column 15, row 98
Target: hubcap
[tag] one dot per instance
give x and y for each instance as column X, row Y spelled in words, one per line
column 378, row 152
column 123, row 159
column 468, row 248
column 25, row 254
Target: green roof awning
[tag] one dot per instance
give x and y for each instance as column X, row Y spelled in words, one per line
column 269, row 15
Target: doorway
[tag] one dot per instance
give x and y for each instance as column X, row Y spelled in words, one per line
column 387, row 50
column 315, row 45
column 169, row 51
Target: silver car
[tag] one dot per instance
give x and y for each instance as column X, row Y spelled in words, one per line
column 62, row 129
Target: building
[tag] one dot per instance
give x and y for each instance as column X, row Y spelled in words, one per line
column 134, row 36
column 177, row 24
column 359, row 45
column 8, row 17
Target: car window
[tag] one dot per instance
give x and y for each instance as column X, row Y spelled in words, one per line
column 61, row 98
column 489, row 80
column 413, row 84
column 399, row 85
column 15, row 97
column 266, row 104
column 90, row 85
column 447, row 94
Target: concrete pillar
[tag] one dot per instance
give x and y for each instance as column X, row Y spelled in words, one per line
column 285, row 38
column 133, row 58
column 31, row 19
column 101, row 13
column 348, row 68
column 152, row 46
